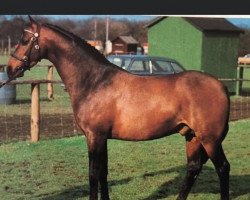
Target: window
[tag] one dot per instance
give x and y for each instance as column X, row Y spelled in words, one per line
column 177, row 67
column 117, row 61
column 140, row 66
column 120, row 62
column 126, row 63
column 119, row 44
column 161, row 66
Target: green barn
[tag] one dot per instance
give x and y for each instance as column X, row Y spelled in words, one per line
column 204, row 44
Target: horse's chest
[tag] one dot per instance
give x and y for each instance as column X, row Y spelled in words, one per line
column 95, row 117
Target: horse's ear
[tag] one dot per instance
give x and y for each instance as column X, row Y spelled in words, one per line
column 32, row 20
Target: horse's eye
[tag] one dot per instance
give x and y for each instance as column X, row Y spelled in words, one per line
column 24, row 42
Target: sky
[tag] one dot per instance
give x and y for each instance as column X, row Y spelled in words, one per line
column 242, row 21
column 78, row 17
column 238, row 20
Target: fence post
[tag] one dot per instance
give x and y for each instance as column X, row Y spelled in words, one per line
column 35, row 112
column 50, row 85
column 239, row 82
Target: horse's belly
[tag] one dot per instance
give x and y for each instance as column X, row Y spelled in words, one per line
column 137, row 130
column 144, row 117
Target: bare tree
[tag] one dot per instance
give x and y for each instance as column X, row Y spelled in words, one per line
column 88, row 29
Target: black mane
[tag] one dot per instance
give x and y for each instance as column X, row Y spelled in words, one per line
column 79, row 41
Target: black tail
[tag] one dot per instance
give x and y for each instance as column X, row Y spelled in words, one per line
column 226, row 126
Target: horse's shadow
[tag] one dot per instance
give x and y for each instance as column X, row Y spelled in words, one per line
column 77, row 191
column 206, row 183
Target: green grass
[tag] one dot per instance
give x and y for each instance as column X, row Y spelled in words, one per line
column 57, row 169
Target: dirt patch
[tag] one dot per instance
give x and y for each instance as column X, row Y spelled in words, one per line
column 17, row 127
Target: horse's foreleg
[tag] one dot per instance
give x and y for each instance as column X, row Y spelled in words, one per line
column 98, row 167
column 196, row 157
column 104, row 173
column 93, row 178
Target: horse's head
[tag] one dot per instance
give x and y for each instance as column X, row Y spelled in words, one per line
column 28, row 51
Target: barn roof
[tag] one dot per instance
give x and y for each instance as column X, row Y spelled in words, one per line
column 128, row 39
column 205, row 24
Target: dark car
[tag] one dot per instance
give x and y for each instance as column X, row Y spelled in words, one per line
column 146, row 65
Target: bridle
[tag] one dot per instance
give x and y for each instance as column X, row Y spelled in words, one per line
column 33, row 42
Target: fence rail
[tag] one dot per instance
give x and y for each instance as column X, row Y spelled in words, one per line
column 35, row 97
column 240, row 108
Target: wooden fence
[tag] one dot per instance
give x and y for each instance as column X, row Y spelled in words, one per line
column 35, row 95
column 49, row 78
column 35, row 103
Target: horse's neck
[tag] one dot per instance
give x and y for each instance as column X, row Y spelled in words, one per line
column 80, row 71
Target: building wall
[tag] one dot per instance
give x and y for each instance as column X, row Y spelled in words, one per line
column 212, row 52
column 219, row 55
column 119, row 47
column 176, row 38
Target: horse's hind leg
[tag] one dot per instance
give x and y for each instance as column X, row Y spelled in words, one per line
column 222, row 166
column 196, row 157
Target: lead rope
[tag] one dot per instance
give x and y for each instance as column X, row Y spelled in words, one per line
column 10, row 79
column 7, row 81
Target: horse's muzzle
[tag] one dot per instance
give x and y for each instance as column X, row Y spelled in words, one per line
column 15, row 73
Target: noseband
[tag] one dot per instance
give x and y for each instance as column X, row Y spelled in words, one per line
column 26, row 58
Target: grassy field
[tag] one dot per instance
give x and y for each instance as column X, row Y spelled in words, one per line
column 57, row 169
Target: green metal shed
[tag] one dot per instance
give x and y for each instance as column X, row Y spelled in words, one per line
column 204, row 44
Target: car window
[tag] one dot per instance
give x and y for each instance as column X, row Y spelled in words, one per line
column 126, row 63
column 177, row 67
column 120, row 62
column 117, row 61
column 161, row 66
column 140, row 66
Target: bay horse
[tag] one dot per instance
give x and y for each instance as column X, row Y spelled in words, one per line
column 111, row 103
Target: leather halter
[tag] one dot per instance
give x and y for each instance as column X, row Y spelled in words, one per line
column 26, row 58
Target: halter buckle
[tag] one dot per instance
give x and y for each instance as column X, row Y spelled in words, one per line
column 25, row 59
